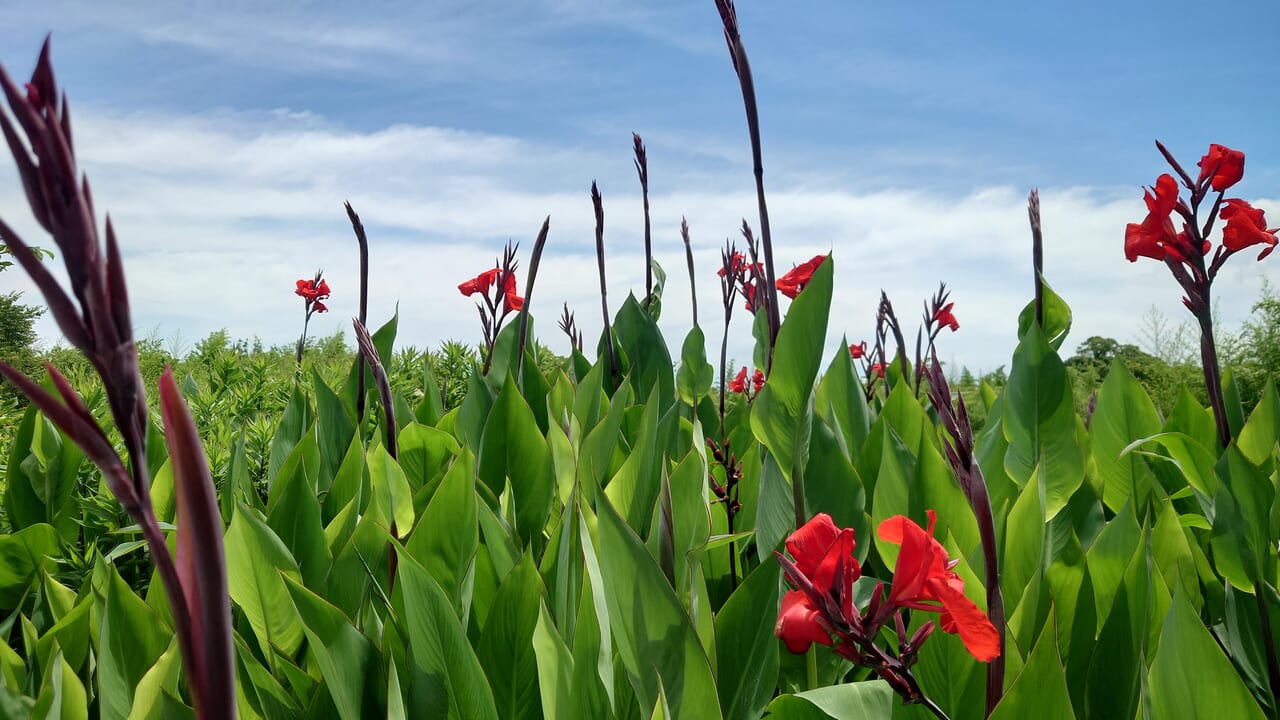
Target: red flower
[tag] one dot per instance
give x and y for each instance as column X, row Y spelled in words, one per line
column 1153, row 236
column 480, row 283
column 923, row 580
column 757, row 379
column 800, row 623
column 1224, row 165
column 510, row 301
column 798, row 277
column 319, row 307
column 823, row 554
column 312, row 291
column 877, row 369
column 749, row 290
column 737, row 265
column 739, row 383
column 858, row 351
column 946, row 319
column 1246, row 225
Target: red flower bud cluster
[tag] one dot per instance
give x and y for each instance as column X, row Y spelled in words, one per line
column 739, row 383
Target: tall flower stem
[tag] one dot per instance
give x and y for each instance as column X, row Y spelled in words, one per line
column 688, row 257
column 370, row 354
column 642, row 170
column 363, row 241
column 738, row 53
column 534, row 261
column 1037, row 252
column 597, row 204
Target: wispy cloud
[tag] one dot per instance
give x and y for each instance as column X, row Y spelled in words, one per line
column 218, row 214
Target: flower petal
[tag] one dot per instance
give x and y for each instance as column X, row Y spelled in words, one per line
column 962, row 615
column 798, row 623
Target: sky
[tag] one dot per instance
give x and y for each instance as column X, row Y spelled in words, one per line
column 223, row 137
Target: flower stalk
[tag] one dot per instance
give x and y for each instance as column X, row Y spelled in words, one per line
column 363, row 241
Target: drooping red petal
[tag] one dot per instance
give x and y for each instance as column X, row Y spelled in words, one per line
column 799, row 623
column 915, row 558
column 963, row 616
column 798, row 277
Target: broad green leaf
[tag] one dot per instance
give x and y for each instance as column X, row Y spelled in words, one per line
column 1109, row 556
column 425, row 454
column 41, row 477
column 696, row 374
column 62, row 694
column 513, row 450
column 1257, row 441
column 1040, row 422
column 351, row 484
column 160, row 679
column 1190, row 677
column 293, row 425
column 747, row 662
column 780, row 413
column 651, row 368
column 450, row 682
column 1023, row 543
column 22, row 554
column 1057, row 317
column 1123, row 412
column 294, row 516
column 832, row 486
column 257, row 563
column 1071, row 590
column 1242, row 541
column 131, row 639
column 506, row 649
column 555, row 667
column 1115, row 672
column 392, row 499
column 1040, row 690
column 445, row 540
column 633, row 490
column 654, row 635
column 842, row 403
column 349, row 663
column 847, row 701
column 775, row 510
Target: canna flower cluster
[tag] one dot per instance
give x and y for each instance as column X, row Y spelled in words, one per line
column 798, row 277
column 1186, row 251
column 744, row 275
column 749, row 389
column 494, row 278
column 498, row 297
column 821, row 608
column 313, row 293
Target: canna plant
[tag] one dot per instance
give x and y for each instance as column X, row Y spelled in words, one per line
column 614, row 537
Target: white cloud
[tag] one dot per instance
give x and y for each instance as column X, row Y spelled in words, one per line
column 219, row 214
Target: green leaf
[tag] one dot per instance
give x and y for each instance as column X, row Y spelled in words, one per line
column 555, row 667
column 651, row 368
column 162, row 678
column 1023, row 543
column 1190, row 677
column 780, row 413
column 295, row 519
column 257, row 563
column 349, row 663
column 335, row 426
column 848, row 701
column 447, row 535
column 831, row 485
column 656, row 640
column 1040, row 690
column 1258, row 436
column 1040, row 422
column 634, row 488
column 392, row 500
column 1123, row 412
column 696, row 374
column 1057, row 317
column 506, row 649
column 61, row 693
column 21, row 555
column 746, row 649
column 449, row 682
column 293, row 425
column 131, row 639
column 1242, row 544
column 842, row 403
column 513, row 450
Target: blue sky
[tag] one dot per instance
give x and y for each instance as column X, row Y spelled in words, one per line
column 223, row 137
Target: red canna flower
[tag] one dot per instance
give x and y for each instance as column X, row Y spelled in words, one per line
column 1224, row 165
column 859, row 351
column 1155, row 234
column 800, row 624
column 1246, row 226
column 823, row 554
column 923, row 579
column 737, row 265
column 480, row 283
column 795, row 280
column 311, row 290
column 877, row 369
column 945, row 318
column 749, row 291
column 757, row 379
column 511, row 301
column 739, row 383
column 319, row 307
